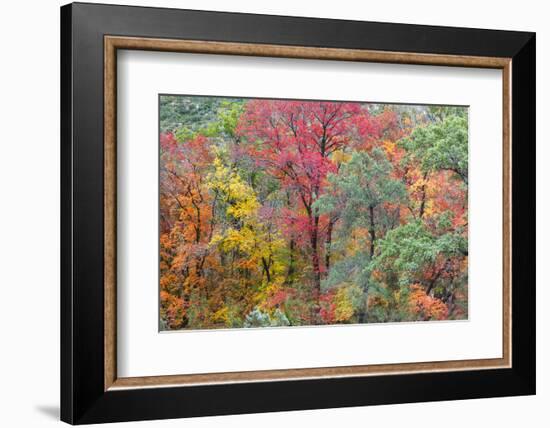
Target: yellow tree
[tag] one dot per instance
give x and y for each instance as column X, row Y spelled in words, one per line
column 249, row 243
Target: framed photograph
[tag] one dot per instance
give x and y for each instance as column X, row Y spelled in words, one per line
column 266, row 213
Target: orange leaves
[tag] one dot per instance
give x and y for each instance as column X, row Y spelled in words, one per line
column 377, row 301
column 186, row 225
column 377, row 275
column 426, row 307
column 172, row 308
column 289, row 212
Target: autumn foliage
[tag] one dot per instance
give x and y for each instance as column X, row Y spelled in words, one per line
column 284, row 213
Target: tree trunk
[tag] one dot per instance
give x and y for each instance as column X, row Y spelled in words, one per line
column 316, row 292
column 328, row 242
column 372, row 232
column 362, row 314
column 290, row 272
column 265, row 265
column 292, row 244
column 423, row 200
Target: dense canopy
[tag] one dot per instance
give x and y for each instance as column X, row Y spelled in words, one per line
column 288, row 213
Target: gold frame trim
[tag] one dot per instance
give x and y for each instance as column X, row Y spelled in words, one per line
column 113, row 43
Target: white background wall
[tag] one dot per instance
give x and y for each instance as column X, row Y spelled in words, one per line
column 29, row 213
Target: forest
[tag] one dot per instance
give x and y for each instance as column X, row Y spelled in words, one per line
column 279, row 213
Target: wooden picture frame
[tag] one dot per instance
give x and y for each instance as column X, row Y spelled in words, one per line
column 91, row 390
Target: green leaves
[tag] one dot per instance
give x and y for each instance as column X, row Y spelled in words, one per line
column 258, row 318
column 442, row 145
column 358, row 194
column 291, row 212
column 210, row 117
column 364, row 182
column 411, row 248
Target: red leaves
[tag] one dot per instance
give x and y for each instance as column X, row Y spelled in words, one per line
column 168, row 142
column 328, row 308
column 278, row 298
column 294, row 141
column 243, row 229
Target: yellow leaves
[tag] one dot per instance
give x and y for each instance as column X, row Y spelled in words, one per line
column 221, row 315
column 217, row 239
column 389, row 147
column 397, row 295
column 418, row 184
column 339, row 157
column 240, row 197
column 357, row 240
column 347, row 299
column 429, row 210
column 245, row 207
column 343, row 310
column 220, row 169
column 243, row 239
column 241, row 205
column 246, row 233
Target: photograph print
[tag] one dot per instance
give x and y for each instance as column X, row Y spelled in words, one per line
column 283, row 213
